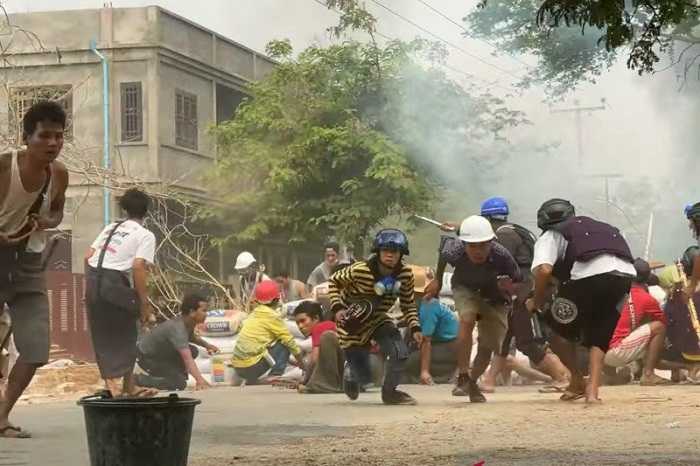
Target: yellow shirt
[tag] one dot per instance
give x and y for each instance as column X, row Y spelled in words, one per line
column 263, row 327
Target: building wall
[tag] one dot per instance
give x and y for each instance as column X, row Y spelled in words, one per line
column 149, row 45
column 179, row 163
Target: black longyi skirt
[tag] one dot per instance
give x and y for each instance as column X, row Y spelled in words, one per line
column 114, row 331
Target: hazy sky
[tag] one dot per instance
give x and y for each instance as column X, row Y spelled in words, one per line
column 646, row 118
column 255, row 22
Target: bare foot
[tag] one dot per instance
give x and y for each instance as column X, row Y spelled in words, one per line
column 115, row 387
column 486, row 388
column 593, row 402
column 142, row 392
column 8, row 430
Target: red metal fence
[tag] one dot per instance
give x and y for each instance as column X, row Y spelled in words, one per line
column 68, row 315
column 69, row 322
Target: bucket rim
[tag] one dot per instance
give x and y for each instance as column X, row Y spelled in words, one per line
column 170, row 401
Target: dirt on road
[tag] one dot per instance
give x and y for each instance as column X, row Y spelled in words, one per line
column 633, row 426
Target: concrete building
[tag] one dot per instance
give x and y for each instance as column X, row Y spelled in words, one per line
column 169, row 80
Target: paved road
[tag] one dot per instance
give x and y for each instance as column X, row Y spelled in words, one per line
column 636, row 425
column 226, row 417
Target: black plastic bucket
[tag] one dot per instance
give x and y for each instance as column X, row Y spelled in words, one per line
column 138, row 431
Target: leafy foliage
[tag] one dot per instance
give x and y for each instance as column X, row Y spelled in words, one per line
column 575, row 41
column 565, row 55
column 641, row 24
column 338, row 139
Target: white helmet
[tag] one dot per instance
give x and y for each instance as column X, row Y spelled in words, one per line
column 244, row 260
column 476, row 229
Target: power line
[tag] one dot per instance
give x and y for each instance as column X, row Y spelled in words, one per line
column 456, row 47
column 453, row 69
column 440, row 13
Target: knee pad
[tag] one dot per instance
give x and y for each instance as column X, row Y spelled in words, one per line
column 399, row 350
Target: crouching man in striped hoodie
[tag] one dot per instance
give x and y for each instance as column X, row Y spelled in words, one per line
column 361, row 295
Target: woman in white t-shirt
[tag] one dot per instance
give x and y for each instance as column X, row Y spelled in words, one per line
column 129, row 250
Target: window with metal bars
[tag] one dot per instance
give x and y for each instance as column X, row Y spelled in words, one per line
column 186, row 120
column 22, row 98
column 132, row 112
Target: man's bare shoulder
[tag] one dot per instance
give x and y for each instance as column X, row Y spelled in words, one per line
column 60, row 171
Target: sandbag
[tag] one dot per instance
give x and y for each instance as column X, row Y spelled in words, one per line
column 305, row 344
column 221, row 323
column 226, row 344
column 204, row 365
column 290, row 307
column 294, row 329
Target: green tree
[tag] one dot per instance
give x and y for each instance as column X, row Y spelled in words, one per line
column 575, row 41
column 336, row 140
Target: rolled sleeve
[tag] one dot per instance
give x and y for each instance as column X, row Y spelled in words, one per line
column 549, row 248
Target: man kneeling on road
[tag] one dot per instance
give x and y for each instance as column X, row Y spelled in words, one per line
column 436, row 359
column 166, row 354
column 484, row 272
column 641, row 330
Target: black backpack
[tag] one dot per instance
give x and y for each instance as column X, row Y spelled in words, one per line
column 526, row 251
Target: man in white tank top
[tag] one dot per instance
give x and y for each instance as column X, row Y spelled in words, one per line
column 32, row 194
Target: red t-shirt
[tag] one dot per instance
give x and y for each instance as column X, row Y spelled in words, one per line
column 645, row 308
column 319, row 329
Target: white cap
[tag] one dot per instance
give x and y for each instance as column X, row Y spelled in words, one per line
column 244, row 260
column 476, row 229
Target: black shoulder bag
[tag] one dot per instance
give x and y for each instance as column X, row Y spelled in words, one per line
column 116, row 292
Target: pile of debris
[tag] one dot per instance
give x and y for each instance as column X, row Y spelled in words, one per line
column 63, row 378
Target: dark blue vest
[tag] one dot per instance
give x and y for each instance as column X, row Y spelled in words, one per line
column 588, row 239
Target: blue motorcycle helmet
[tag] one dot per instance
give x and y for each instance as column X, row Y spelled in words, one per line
column 390, row 238
column 495, row 207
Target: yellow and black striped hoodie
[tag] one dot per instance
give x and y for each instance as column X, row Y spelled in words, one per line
column 357, row 281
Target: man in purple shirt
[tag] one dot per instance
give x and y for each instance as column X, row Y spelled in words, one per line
column 482, row 283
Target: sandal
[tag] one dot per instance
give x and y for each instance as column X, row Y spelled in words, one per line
column 552, row 389
column 17, row 432
column 570, row 395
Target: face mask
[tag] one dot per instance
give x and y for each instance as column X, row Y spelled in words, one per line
column 387, row 286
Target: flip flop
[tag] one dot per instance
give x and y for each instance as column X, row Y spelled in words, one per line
column 18, row 432
column 552, row 389
column 572, row 396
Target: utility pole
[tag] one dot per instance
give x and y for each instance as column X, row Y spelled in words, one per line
column 577, row 110
column 607, row 177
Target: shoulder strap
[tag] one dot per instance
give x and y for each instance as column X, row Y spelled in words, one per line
column 36, row 207
column 633, row 313
column 107, row 241
column 102, row 255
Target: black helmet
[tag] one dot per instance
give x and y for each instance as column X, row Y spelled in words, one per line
column 689, row 257
column 554, row 211
column 390, row 238
column 694, row 211
column 694, row 217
